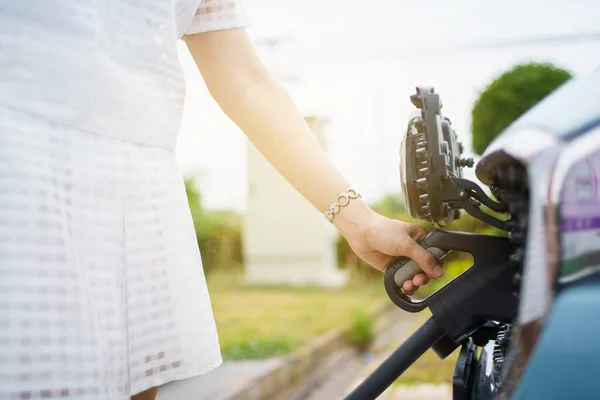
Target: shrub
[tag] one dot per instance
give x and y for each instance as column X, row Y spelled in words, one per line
column 258, row 349
column 509, row 96
column 218, row 232
column 361, row 332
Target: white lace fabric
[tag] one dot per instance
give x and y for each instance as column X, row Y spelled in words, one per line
column 102, row 292
column 217, row 15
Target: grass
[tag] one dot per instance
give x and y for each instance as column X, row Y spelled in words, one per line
column 361, row 332
column 261, row 322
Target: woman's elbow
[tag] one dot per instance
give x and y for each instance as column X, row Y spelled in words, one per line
column 233, row 92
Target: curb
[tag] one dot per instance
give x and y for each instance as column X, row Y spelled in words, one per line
column 300, row 364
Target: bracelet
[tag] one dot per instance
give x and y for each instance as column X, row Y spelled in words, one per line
column 342, row 200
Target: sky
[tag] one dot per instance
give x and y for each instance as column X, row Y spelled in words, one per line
column 356, row 63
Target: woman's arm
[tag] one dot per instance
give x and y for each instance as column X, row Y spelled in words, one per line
column 262, row 109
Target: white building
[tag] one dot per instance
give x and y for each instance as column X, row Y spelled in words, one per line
column 286, row 240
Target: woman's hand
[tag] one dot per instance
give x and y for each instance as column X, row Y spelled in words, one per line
column 377, row 240
column 259, row 105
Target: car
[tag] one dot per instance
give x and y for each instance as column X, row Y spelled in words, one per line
column 523, row 316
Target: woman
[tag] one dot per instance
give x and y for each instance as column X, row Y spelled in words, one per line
column 102, row 294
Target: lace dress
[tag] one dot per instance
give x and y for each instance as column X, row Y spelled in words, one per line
column 102, row 292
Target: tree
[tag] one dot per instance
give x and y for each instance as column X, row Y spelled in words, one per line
column 390, row 205
column 218, row 232
column 509, row 96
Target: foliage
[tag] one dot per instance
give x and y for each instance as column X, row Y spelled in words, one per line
column 257, row 349
column 361, row 332
column 218, row 232
column 261, row 322
column 390, row 205
column 509, row 96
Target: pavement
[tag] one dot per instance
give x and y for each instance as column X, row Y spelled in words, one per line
column 218, row 384
column 342, row 379
column 397, row 392
column 333, row 380
column 403, row 326
column 420, row 392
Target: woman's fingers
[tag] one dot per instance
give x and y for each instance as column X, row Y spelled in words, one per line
column 420, row 280
column 417, row 232
column 408, row 288
column 427, row 261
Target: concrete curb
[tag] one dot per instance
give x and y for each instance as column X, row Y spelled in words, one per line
column 299, row 365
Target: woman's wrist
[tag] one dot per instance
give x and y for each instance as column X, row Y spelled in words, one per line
column 354, row 218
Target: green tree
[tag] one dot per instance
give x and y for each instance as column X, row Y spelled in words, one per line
column 509, row 96
column 218, row 232
column 390, row 205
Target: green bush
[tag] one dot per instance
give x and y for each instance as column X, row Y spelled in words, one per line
column 361, row 332
column 258, row 349
column 218, row 233
column 509, row 96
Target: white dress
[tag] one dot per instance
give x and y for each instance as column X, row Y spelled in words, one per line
column 102, row 292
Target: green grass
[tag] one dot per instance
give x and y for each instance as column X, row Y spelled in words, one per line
column 261, row 322
column 258, row 349
column 361, row 332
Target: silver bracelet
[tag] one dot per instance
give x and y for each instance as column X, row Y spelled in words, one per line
column 342, row 200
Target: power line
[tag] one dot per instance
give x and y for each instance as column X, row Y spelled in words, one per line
column 511, row 42
column 525, row 41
